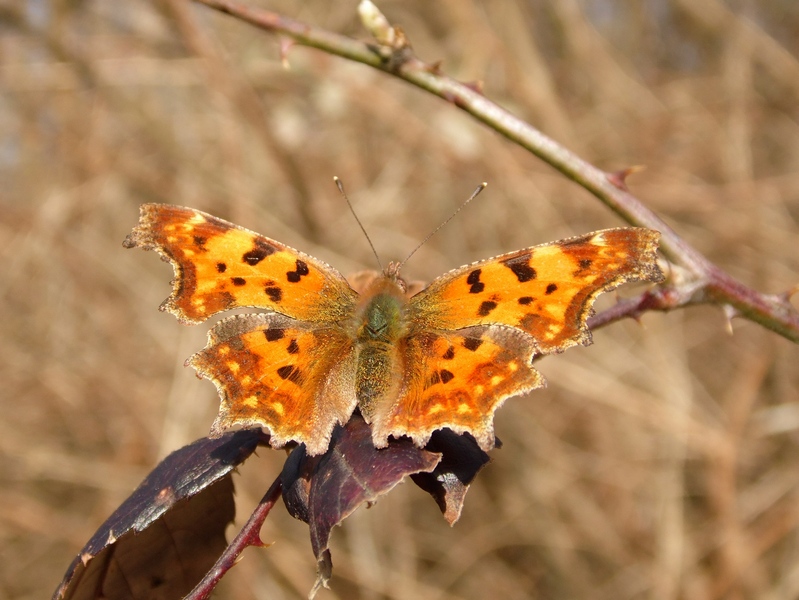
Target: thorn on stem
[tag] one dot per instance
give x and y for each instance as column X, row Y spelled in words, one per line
column 286, row 45
column 477, row 86
column 619, row 178
column 730, row 312
column 789, row 293
column 435, row 68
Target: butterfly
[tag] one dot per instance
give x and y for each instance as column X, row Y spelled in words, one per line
column 411, row 362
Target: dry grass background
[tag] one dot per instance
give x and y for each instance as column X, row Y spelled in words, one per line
column 662, row 462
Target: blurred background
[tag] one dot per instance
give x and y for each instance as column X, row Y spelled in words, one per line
column 661, row 462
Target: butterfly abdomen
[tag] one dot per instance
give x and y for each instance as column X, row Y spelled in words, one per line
column 376, row 376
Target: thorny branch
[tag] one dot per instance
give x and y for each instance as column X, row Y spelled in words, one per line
column 249, row 535
column 701, row 282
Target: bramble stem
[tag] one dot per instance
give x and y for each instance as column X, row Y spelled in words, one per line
column 248, row 536
column 706, row 283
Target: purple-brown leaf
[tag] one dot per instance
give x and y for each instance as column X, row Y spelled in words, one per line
column 160, row 542
column 324, row 490
column 461, row 459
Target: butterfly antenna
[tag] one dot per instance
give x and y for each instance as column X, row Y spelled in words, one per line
column 340, row 187
column 479, row 189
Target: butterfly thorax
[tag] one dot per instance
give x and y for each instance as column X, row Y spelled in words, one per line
column 379, row 325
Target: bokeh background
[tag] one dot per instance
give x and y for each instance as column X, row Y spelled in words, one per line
column 662, row 462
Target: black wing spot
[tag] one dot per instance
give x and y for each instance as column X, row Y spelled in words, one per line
column 446, row 376
column 552, row 287
column 259, row 252
column 476, row 286
column 272, row 335
column 275, row 293
column 585, row 263
column 472, row 344
column 221, row 267
column 449, row 354
column 199, row 241
column 525, row 300
column 293, row 347
column 238, row 281
column 297, row 274
column 486, row 308
column 434, row 379
column 290, row 373
column 521, row 268
column 302, row 268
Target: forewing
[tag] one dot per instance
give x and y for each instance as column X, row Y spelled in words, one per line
column 546, row 291
column 219, row 266
column 275, row 372
column 457, row 380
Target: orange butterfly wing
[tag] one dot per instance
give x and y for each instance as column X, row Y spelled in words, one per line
column 475, row 330
column 219, row 266
column 457, row 379
column 546, row 291
column 272, row 371
column 291, row 370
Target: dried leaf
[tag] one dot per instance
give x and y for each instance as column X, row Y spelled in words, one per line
column 160, row 542
column 461, row 460
column 324, row 490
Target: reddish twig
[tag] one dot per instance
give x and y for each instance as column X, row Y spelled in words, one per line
column 663, row 299
column 248, row 536
column 704, row 282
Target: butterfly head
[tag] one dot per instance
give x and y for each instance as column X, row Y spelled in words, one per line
column 392, row 273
